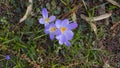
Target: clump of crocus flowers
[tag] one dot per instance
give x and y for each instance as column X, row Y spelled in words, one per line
column 56, row 28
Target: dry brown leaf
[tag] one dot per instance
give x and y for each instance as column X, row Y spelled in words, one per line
column 28, row 11
column 93, row 26
column 74, row 16
column 97, row 18
column 89, row 20
column 114, row 3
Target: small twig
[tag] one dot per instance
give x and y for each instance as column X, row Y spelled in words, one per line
column 115, row 25
column 69, row 13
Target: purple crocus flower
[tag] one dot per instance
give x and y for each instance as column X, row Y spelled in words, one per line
column 7, row 57
column 66, row 33
column 46, row 20
column 51, row 30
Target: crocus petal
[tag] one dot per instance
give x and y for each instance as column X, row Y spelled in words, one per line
column 61, row 38
column 51, row 36
column 72, row 26
column 52, row 25
column 57, row 32
column 68, row 34
column 58, row 37
column 58, row 23
column 67, row 43
column 66, row 21
column 60, row 42
column 41, row 21
column 44, row 13
column 46, row 24
column 52, row 18
column 46, row 30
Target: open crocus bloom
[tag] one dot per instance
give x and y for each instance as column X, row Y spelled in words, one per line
column 51, row 30
column 46, row 20
column 65, row 31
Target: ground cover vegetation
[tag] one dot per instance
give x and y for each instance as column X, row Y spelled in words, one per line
column 59, row 34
